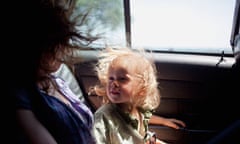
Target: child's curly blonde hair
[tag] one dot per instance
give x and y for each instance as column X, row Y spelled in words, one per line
column 146, row 95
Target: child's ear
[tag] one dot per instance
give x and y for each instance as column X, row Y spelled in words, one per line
column 142, row 92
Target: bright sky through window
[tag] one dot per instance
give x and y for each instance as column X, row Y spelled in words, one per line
column 182, row 23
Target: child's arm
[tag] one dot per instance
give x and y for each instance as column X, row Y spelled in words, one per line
column 170, row 122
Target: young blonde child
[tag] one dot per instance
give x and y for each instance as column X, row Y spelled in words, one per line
column 130, row 92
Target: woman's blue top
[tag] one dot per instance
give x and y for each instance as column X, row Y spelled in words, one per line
column 67, row 124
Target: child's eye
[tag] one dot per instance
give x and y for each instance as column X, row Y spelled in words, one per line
column 111, row 78
column 122, row 79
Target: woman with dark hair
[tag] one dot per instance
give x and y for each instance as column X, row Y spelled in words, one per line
column 47, row 111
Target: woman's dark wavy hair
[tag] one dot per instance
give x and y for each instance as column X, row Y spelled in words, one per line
column 44, row 26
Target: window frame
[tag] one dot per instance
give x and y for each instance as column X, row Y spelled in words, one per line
column 235, row 26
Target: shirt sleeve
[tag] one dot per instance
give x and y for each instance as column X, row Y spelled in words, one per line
column 100, row 129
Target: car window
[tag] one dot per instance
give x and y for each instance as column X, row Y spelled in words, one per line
column 161, row 25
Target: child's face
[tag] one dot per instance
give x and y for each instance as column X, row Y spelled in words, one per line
column 120, row 85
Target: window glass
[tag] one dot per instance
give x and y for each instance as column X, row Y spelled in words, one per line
column 202, row 26
column 105, row 19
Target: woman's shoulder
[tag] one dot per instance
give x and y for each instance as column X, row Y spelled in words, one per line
column 23, row 96
column 28, row 97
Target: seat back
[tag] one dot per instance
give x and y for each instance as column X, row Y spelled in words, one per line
column 66, row 74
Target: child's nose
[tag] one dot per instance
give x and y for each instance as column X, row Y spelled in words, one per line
column 115, row 83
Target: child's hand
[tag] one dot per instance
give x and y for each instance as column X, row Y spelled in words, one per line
column 174, row 123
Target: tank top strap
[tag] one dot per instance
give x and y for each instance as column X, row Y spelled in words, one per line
column 75, row 102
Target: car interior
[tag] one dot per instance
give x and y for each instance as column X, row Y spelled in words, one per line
column 200, row 89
